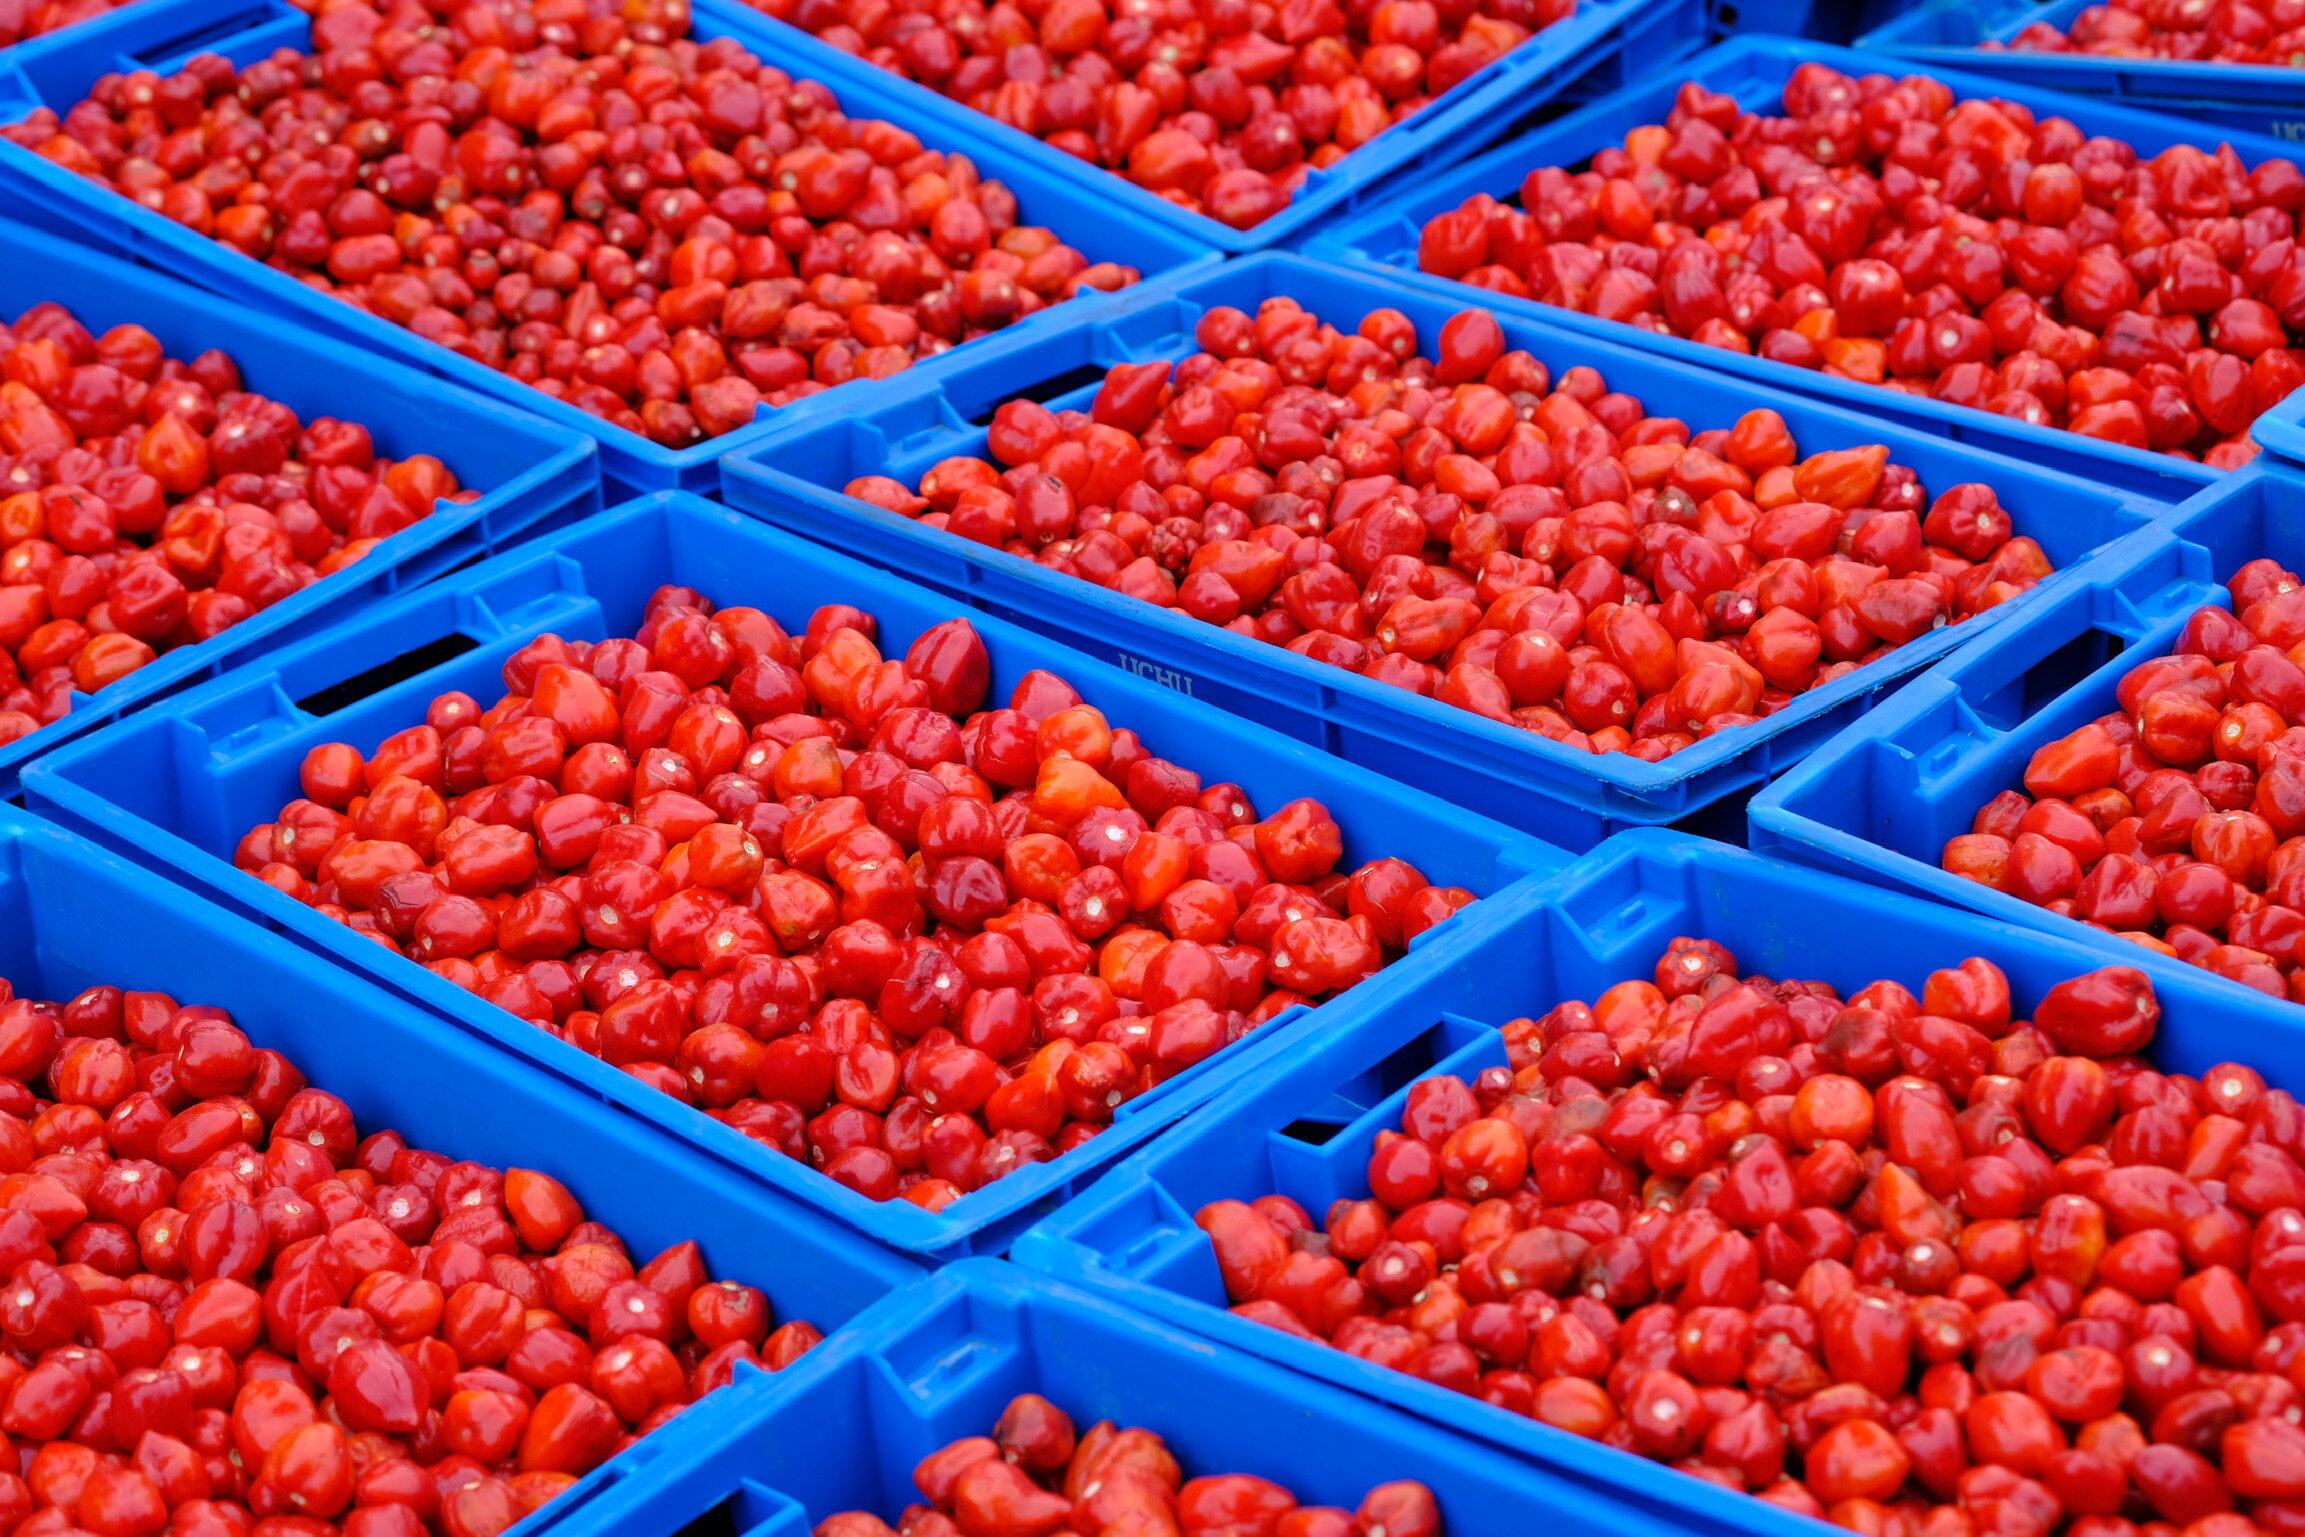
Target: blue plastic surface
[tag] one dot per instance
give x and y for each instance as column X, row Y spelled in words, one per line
column 2255, row 98
column 844, row 1427
column 161, row 34
column 178, row 787
column 1880, row 801
column 1606, row 44
column 1305, row 1125
column 72, row 916
column 1754, row 70
column 533, row 475
column 794, row 479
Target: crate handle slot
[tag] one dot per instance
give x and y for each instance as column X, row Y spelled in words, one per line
column 1318, row 1171
column 1078, row 377
column 208, row 30
column 1164, row 1232
column 2050, row 679
column 1942, row 758
column 948, row 1374
column 2135, row 614
column 1150, row 1249
column 754, row 1510
column 1619, row 921
column 789, row 1520
column 1320, row 1127
column 411, row 663
column 1141, row 1231
column 881, row 441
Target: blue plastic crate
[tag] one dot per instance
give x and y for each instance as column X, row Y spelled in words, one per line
column 1305, row 1126
column 178, row 787
column 2255, row 98
column 72, row 916
column 1880, row 801
column 1754, row 70
column 1575, row 799
column 1606, row 44
column 160, row 35
column 843, row 1428
column 532, row 474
